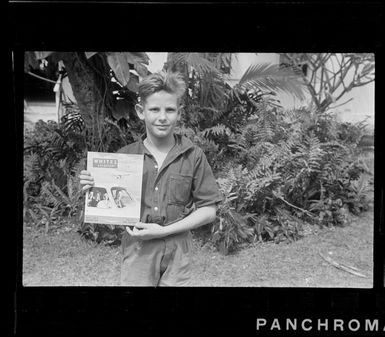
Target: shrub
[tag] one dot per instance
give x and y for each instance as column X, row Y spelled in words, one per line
column 281, row 173
column 106, row 234
column 275, row 169
column 53, row 157
column 231, row 227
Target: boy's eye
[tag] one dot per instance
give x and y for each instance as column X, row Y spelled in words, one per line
column 167, row 110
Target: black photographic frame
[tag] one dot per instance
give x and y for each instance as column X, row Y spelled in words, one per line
column 245, row 27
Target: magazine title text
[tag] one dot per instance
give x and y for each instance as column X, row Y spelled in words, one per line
column 106, row 163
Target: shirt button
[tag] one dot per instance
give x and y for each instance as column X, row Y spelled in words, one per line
column 155, row 208
column 156, row 188
column 156, row 166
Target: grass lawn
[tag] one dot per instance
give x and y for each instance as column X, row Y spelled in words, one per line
column 61, row 258
column 294, row 265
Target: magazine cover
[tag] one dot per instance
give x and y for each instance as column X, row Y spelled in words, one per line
column 116, row 196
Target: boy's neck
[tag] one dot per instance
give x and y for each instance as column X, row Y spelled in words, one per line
column 162, row 144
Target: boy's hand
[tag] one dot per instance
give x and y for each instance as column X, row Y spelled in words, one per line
column 86, row 180
column 146, row 231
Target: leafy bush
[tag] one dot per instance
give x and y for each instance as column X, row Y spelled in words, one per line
column 231, row 227
column 53, row 157
column 50, row 153
column 275, row 168
column 280, row 174
column 107, row 234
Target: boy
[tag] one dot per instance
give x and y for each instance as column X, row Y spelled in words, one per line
column 179, row 191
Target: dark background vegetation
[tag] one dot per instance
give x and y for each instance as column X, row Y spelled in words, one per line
column 276, row 168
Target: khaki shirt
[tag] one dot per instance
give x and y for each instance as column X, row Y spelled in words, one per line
column 184, row 181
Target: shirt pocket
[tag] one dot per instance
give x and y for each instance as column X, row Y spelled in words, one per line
column 179, row 189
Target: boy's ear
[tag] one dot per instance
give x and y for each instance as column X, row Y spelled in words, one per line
column 180, row 111
column 139, row 111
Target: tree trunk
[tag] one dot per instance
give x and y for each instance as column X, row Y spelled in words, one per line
column 89, row 82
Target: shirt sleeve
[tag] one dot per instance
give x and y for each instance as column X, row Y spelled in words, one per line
column 205, row 190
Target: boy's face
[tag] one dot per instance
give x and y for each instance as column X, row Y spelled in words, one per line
column 160, row 112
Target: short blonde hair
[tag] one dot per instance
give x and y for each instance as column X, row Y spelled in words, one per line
column 171, row 82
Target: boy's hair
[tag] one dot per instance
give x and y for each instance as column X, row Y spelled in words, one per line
column 171, row 82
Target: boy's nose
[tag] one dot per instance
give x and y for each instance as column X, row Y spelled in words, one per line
column 162, row 115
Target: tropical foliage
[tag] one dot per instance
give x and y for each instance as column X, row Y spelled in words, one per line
column 104, row 84
column 276, row 168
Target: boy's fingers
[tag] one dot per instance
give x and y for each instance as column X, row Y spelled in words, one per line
column 140, row 225
column 85, row 178
column 86, row 183
column 129, row 231
column 86, row 187
column 133, row 232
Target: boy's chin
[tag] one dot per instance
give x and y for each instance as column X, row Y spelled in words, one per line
column 162, row 134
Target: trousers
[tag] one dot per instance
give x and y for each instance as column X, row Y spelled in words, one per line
column 157, row 262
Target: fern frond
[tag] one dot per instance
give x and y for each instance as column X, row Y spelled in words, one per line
column 315, row 153
column 55, row 196
column 64, row 198
column 361, row 186
column 57, row 144
column 225, row 185
column 215, row 113
column 258, row 172
column 31, row 166
column 284, row 151
column 50, row 197
column 217, row 130
column 77, row 167
column 261, row 152
column 261, row 183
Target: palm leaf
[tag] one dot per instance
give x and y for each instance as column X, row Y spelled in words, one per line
column 212, row 91
column 195, row 60
column 272, row 77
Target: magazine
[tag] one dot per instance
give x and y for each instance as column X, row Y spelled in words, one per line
column 115, row 197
